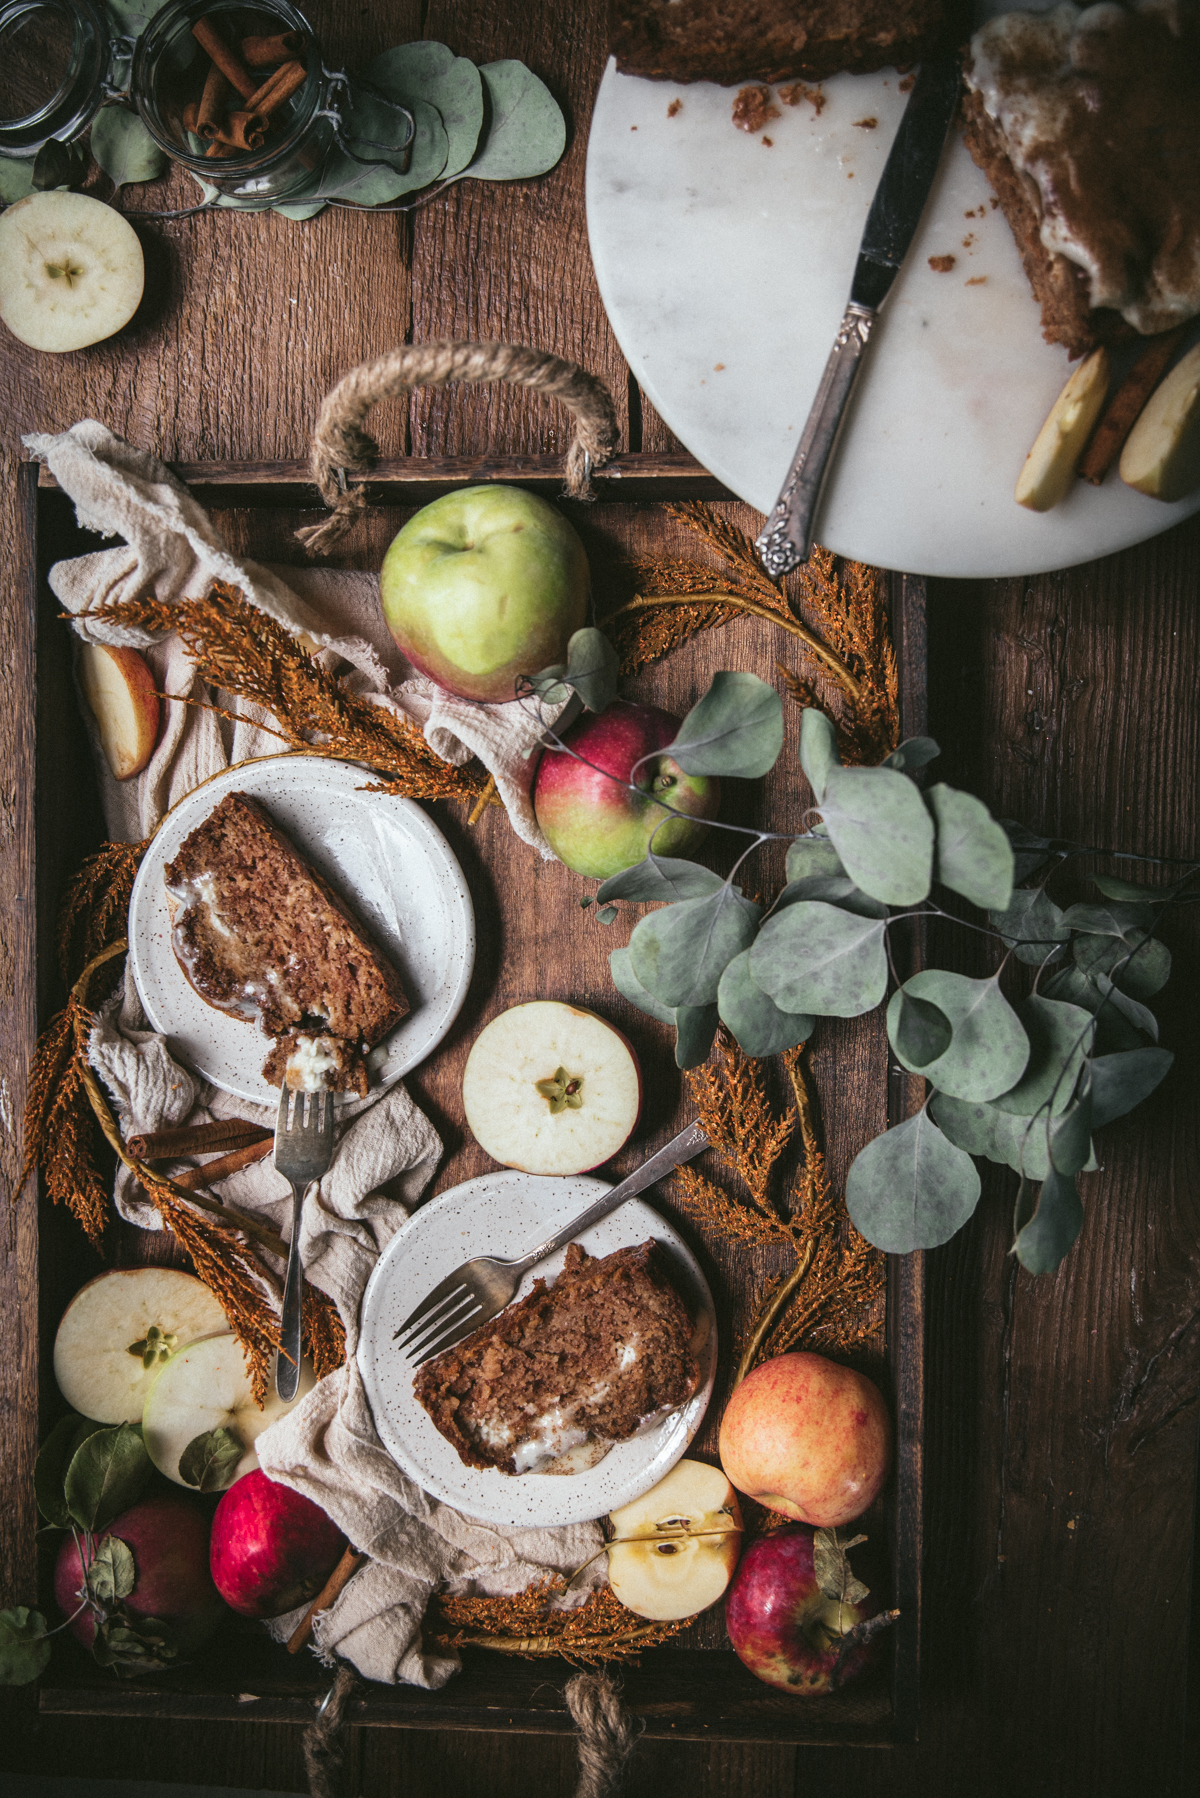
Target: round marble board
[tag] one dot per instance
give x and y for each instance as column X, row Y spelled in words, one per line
column 382, row 855
column 505, row 1213
column 725, row 265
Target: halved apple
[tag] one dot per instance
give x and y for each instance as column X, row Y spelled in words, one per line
column 119, row 687
column 1051, row 463
column 687, row 1536
column 120, row 1329
column 71, row 270
column 206, row 1387
column 551, row 1089
column 1162, row 452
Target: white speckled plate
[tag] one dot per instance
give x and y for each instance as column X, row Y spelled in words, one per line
column 504, row 1214
column 382, row 855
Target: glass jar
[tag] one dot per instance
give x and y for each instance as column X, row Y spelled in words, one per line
column 59, row 62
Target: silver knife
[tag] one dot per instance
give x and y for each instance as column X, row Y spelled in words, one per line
column 896, row 209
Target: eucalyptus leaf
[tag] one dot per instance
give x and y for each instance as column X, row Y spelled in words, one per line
column 818, row 750
column 108, row 1473
column 525, row 132
column 695, row 1027
column 809, row 856
column 1114, row 888
column 919, row 1030
column 834, row 889
column 1140, row 964
column 631, row 988
column 1032, row 926
column 1119, row 1082
column 209, row 1459
column 1060, row 1038
column 974, row 857
column 661, row 877
column 607, row 914
column 756, row 1021
column 1071, row 1134
column 124, row 148
column 16, row 178
column 58, row 165
column 680, row 952
column 1140, row 1016
column 50, row 1469
column 914, row 752
column 982, row 1129
column 303, row 210
column 879, row 826
column 1053, row 1226
column 813, row 957
column 429, row 71
column 911, row 1188
column 591, row 670
column 736, row 729
column 132, row 16
column 1030, row 851
column 988, row 1050
column 111, row 1574
column 1116, row 919
column 24, row 1646
column 1113, row 1032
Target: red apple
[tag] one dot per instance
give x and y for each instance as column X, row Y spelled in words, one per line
column 119, row 687
column 589, row 817
column 807, row 1437
column 272, row 1548
column 785, row 1627
column 168, row 1538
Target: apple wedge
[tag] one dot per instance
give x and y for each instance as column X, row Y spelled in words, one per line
column 120, row 1329
column 71, row 270
column 203, row 1388
column 686, row 1538
column 1162, row 452
column 551, row 1089
column 119, row 688
column 1050, row 465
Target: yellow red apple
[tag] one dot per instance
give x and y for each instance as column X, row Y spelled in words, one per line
column 676, row 1547
column 789, row 1628
column 807, row 1437
column 119, row 687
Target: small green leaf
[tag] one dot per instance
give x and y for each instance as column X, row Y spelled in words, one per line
column 974, row 856
column 591, row 670
column 831, row 1566
column 209, row 1459
column 1140, row 964
column 696, row 1026
column 107, row 1474
column 982, row 1129
column 431, row 72
column 1060, row 1038
column 1119, row 1082
column 50, row 1469
column 814, row 957
column 988, row 1049
column 24, row 1648
column 16, row 178
column 736, row 729
column 809, row 856
column 1032, row 925
column 631, row 988
column 914, row 752
column 818, row 751
column 1052, row 1226
column 756, row 1021
column 607, row 914
column 661, row 877
column 1070, row 1135
column 1029, row 850
column 1140, row 1016
column 1113, row 1032
column 923, row 1032
column 59, row 165
column 834, row 889
column 302, row 210
column 879, row 826
column 1114, row 888
column 124, row 148
column 911, row 1188
column 1109, row 920
column 525, row 132
column 680, row 952
column 111, row 1574
column 585, row 902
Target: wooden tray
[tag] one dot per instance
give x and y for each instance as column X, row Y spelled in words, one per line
column 533, row 943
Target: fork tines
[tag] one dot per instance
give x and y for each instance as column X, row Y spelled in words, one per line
column 443, row 1318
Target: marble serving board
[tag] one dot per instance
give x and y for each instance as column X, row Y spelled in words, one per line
column 725, row 262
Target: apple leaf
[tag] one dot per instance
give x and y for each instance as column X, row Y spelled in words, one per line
column 1047, row 1229
column 813, row 957
column 818, row 751
column 591, row 669
column 988, row 1050
column 666, row 877
column 911, row 1188
column 973, row 856
column 1119, row 1082
column 124, row 148
column 107, row 1474
column 525, row 133
column 831, row 1565
column 812, row 855
column 210, row 1458
column 1032, row 926
column 24, row 1646
column 135, row 1644
column 695, row 1028
column 50, row 1469
column 757, row 1022
column 879, row 825
column 631, row 988
column 16, row 180
column 914, row 752
column 111, row 1574
column 680, row 952
column 736, row 729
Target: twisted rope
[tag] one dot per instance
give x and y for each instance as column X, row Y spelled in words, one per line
column 607, row 1734
column 322, row 1749
column 341, row 447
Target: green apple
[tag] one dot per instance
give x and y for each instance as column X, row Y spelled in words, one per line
column 482, row 586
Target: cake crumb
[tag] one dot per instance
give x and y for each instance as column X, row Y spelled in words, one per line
column 717, row 367
column 752, row 108
column 975, row 281
column 866, row 124
column 941, row 265
column 907, row 85
column 674, row 109
column 795, row 91
column 770, row 142
column 968, row 240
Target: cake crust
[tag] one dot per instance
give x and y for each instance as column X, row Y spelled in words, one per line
column 769, row 40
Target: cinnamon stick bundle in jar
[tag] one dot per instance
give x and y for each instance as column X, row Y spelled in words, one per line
column 222, row 124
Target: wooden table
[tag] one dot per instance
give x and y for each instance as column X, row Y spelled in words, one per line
column 1061, row 1447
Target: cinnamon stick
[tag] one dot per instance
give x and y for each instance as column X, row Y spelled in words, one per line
column 214, row 102
column 244, row 130
column 265, row 52
column 346, row 1568
column 195, row 1139
column 278, row 88
column 225, row 1165
column 189, row 118
column 230, row 65
column 1121, row 414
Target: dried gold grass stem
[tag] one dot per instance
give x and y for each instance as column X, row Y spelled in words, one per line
column 646, row 603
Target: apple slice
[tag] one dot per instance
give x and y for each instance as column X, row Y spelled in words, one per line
column 206, row 1387
column 551, row 1089
column 697, row 1509
column 118, row 1331
column 119, row 687
column 71, row 270
column 1162, row 452
column 1050, row 465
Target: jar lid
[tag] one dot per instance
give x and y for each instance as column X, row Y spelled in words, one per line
column 56, row 60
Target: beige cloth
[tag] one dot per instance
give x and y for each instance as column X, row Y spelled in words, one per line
column 327, row 1447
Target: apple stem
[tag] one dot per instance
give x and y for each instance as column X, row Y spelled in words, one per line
column 857, row 1637
column 792, row 625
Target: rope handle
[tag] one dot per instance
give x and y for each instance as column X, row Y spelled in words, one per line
column 340, row 446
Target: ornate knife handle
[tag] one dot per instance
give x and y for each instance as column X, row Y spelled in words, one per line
column 786, row 538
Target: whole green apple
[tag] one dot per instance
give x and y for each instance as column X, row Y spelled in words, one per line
column 482, row 586
column 582, row 801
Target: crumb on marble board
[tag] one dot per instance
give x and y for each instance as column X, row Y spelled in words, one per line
column 866, row 124
column 674, row 109
column 941, row 265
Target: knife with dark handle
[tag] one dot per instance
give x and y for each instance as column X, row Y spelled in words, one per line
column 904, row 187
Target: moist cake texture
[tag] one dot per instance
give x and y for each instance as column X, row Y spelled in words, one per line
column 1087, row 124
column 769, row 40
column 592, row 1357
column 260, row 934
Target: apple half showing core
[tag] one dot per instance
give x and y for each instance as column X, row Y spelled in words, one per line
column 551, row 1089
column 675, row 1548
column 785, row 1628
column 583, row 804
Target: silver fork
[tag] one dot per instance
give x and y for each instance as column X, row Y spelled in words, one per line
column 476, row 1291
column 303, row 1151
